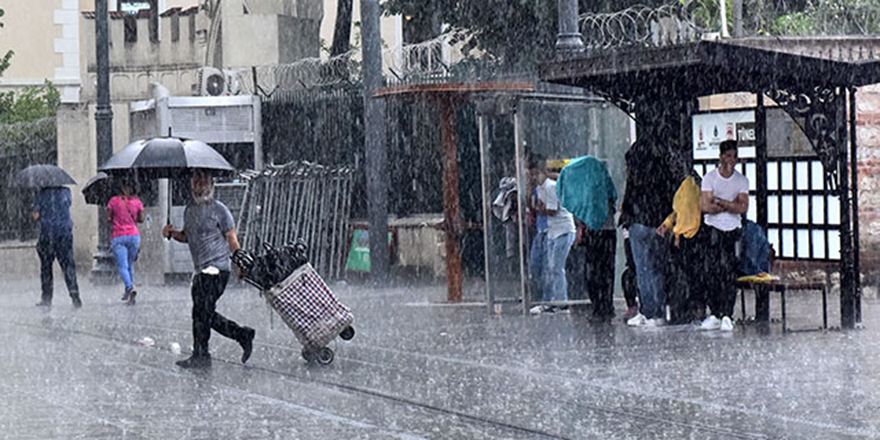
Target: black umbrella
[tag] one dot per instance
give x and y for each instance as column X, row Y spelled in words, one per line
column 99, row 189
column 42, row 176
column 167, row 157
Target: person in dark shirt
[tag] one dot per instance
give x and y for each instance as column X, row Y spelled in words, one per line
column 650, row 187
column 52, row 211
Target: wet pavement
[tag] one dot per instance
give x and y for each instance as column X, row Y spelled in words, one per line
column 419, row 368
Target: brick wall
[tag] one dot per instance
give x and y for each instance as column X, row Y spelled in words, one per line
column 868, row 136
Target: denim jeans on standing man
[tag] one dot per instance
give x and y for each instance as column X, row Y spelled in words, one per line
column 555, row 284
column 649, row 252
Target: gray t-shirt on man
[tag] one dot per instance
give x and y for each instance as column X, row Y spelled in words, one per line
column 206, row 227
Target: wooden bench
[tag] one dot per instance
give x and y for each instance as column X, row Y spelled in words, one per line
column 762, row 290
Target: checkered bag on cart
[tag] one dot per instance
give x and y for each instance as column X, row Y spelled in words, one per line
column 309, row 308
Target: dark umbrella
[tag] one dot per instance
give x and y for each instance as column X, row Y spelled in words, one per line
column 99, row 189
column 42, row 176
column 167, row 157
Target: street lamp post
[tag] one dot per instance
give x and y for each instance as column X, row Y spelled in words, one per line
column 103, row 267
column 374, row 141
column 569, row 37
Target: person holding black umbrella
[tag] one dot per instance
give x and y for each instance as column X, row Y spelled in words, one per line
column 124, row 212
column 209, row 230
column 52, row 211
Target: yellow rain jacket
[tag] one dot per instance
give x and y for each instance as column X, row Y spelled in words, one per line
column 686, row 213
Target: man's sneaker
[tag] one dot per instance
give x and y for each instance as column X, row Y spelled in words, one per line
column 655, row 322
column 77, row 303
column 44, row 304
column 247, row 344
column 630, row 313
column 637, row 321
column 126, row 296
column 726, row 324
column 195, row 362
column 710, row 323
column 537, row 310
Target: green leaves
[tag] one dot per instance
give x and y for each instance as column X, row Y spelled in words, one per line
column 29, row 104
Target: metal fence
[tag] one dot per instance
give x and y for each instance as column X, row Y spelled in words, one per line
column 21, row 145
column 300, row 201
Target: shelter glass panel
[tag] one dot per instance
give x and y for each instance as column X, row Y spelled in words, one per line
column 803, row 240
column 788, row 250
column 819, row 251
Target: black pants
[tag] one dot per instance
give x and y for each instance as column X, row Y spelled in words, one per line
column 52, row 246
column 628, row 277
column 599, row 269
column 719, row 249
column 206, row 290
column 686, row 290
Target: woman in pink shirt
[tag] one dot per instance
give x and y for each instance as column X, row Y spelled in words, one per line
column 124, row 212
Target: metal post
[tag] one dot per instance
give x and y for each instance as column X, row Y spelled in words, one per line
column 487, row 207
column 104, row 267
column 569, row 37
column 451, row 214
column 847, row 287
column 762, row 296
column 374, row 140
column 854, row 169
column 738, row 18
column 522, row 188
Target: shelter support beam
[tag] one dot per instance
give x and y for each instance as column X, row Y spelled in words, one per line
column 451, row 212
column 854, row 168
column 847, row 286
column 762, row 297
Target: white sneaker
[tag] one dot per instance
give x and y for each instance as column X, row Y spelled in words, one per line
column 655, row 322
column 637, row 321
column 726, row 324
column 710, row 323
column 536, row 310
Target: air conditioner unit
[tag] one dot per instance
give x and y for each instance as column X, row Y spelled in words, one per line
column 216, row 82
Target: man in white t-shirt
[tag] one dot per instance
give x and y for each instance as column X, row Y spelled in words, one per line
column 724, row 200
column 560, row 236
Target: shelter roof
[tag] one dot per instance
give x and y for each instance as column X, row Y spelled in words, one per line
column 711, row 67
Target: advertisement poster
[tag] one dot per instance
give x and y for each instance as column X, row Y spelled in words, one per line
column 710, row 129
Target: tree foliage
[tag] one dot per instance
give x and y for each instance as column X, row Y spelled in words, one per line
column 29, row 104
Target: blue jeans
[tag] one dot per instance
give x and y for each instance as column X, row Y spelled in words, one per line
column 538, row 262
column 555, row 285
column 649, row 252
column 125, row 249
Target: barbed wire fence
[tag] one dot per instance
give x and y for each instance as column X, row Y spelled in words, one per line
column 639, row 26
column 425, row 59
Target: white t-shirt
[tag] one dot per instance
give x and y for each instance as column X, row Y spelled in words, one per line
column 725, row 189
column 561, row 223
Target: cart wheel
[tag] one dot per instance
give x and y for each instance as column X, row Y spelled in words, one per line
column 324, row 356
column 347, row 333
column 308, row 355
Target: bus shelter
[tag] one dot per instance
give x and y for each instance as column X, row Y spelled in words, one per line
column 513, row 118
column 816, row 88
